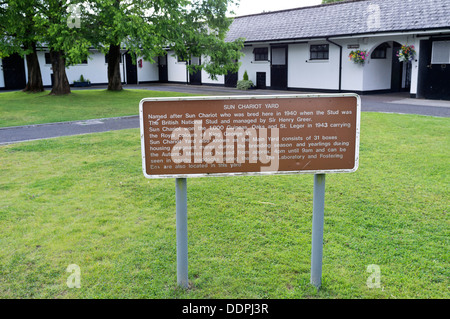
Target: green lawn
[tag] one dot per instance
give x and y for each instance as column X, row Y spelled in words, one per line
column 84, row 200
column 19, row 108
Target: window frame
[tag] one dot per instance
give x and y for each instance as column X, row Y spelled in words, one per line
column 261, row 54
column 435, row 47
column 47, row 58
column 382, row 48
column 317, row 52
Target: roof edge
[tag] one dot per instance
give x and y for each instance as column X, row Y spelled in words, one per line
column 299, row 8
column 352, row 35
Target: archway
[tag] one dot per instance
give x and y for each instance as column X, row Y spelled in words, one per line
column 393, row 75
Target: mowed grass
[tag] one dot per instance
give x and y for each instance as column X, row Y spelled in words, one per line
column 84, row 200
column 19, row 108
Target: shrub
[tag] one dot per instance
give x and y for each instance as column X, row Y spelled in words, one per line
column 82, row 79
column 244, row 85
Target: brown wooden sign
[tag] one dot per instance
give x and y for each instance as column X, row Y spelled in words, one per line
column 215, row 136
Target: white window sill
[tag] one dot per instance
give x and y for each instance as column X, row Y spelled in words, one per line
column 317, row 61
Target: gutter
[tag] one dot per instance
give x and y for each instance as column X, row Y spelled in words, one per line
column 417, row 32
column 340, row 62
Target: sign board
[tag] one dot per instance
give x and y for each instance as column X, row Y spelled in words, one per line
column 249, row 135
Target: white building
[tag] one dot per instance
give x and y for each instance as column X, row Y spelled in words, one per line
column 308, row 49
column 94, row 69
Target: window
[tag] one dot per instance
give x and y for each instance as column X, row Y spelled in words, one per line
column 261, row 54
column 380, row 51
column 278, row 56
column 440, row 52
column 319, row 52
column 48, row 60
column 106, row 58
column 195, row 60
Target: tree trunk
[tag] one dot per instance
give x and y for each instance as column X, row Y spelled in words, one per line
column 34, row 83
column 60, row 84
column 114, row 82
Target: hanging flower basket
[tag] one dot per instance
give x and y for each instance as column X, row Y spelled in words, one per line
column 358, row 56
column 406, row 53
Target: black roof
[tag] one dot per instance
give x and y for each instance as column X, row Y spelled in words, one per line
column 342, row 18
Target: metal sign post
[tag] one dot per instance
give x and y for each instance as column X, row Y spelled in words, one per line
column 317, row 229
column 182, row 231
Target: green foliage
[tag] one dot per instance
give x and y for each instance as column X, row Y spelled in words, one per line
column 82, row 79
column 244, row 85
column 148, row 29
column 54, row 17
column 17, row 27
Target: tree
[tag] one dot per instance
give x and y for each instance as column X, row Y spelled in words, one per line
column 68, row 44
column 20, row 36
column 150, row 28
column 144, row 28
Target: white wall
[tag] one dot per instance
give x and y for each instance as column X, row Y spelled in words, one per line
column 415, row 65
column 248, row 64
column 206, row 78
column 314, row 74
column 352, row 74
column 45, row 68
column 176, row 70
column 149, row 71
column 302, row 72
column 96, row 70
column 2, row 79
column 378, row 72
